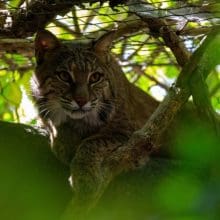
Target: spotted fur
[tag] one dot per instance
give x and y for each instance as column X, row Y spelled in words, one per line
column 87, row 104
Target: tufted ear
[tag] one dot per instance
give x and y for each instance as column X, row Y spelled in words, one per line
column 44, row 41
column 103, row 44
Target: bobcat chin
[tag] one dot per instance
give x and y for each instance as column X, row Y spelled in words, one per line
column 87, row 105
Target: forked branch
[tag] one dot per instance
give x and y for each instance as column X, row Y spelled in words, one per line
column 144, row 141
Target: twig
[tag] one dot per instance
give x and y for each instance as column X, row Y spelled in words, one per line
column 138, row 70
column 89, row 19
column 66, row 28
column 138, row 49
column 75, row 22
column 123, row 49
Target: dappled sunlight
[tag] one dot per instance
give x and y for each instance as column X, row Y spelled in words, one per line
column 154, row 42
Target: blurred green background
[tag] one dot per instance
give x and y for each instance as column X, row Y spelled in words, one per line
column 34, row 185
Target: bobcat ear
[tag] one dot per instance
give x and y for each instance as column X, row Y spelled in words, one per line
column 44, row 41
column 103, row 44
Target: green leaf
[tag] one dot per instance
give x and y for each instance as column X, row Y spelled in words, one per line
column 216, row 101
column 143, row 83
column 7, row 116
column 3, row 72
column 13, row 93
column 171, row 72
column 13, row 4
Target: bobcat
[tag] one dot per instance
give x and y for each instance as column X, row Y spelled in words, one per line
column 88, row 106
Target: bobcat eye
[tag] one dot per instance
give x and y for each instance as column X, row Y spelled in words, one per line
column 95, row 77
column 64, row 76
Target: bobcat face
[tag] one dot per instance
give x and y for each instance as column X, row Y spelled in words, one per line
column 71, row 83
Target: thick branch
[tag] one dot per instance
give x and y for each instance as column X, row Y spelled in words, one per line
column 20, row 46
column 26, row 47
column 145, row 139
column 37, row 16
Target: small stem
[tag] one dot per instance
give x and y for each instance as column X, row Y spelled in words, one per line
column 75, row 22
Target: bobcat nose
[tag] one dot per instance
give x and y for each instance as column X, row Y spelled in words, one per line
column 81, row 101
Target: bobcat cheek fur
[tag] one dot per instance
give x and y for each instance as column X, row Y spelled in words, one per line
column 65, row 92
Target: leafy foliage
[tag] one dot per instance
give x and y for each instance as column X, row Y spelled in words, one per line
column 149, row 64
column 15, row 73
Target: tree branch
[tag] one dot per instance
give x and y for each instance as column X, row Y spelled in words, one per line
column 26, row 47
column 20, row 46
column 66, row 28
column 144, row 141
column 161, row 28
column 39, row 13
column 197, row 81
column 139, row 71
